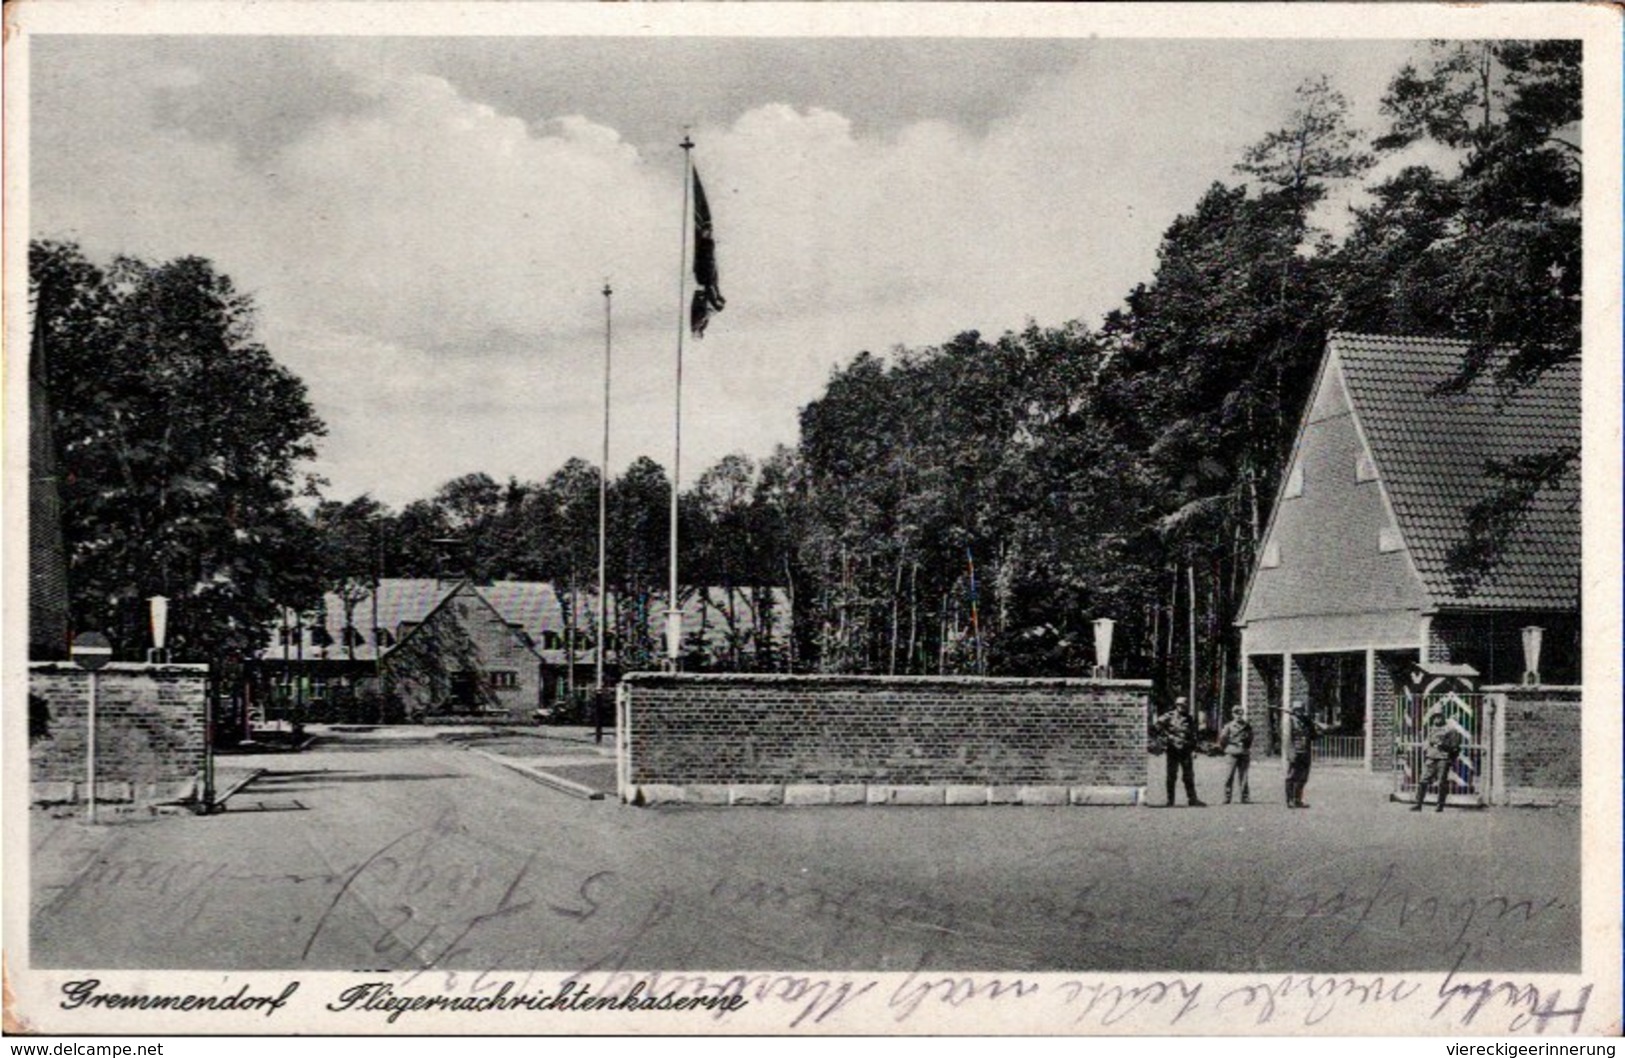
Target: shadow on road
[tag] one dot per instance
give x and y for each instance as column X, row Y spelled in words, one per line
column 275, row 782
column 240, row 805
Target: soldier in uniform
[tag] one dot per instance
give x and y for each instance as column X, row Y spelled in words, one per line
column 1305, row 729
column 1236, row 739
column 1178, row 731
column 1439, row 761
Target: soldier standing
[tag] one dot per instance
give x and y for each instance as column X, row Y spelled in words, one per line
column 1178, row 731
column 1444, row 746
column 1305, row 729
column 1236, row 739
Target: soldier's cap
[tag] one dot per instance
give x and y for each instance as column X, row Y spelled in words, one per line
column 1180, row 700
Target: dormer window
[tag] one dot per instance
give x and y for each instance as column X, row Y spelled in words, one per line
column 1272, row 555
column 1294, row 481
column 1365, row 469
column 1388, row 539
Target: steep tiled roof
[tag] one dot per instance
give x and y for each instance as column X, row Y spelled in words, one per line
column 399, row 601
column 537, row 608
column 534, row 606
column 1431, row 449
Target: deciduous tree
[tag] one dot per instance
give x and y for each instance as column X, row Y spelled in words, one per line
column 180, row 439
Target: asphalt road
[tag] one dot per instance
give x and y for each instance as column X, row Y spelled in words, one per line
column 396, row 851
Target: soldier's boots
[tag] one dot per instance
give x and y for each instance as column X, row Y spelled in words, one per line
column 1421, row 800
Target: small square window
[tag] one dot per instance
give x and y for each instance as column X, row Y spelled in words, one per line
column 1388, row 539
column 1272, row 555
column 1294, row 481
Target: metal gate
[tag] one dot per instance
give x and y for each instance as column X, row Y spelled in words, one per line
column 1465, row 711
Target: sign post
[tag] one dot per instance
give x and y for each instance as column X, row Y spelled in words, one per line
column 90, row 651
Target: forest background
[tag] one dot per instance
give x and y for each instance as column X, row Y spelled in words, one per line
column 964, row 508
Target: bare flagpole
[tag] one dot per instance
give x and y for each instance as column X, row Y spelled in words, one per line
column 603, row 514
column 674, row 612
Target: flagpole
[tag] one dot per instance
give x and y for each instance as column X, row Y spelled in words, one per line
column 674, row 612
column 603, row 514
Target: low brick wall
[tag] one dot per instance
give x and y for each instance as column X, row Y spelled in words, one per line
column 806, row 740
column 149, row 731
column 1540, row 744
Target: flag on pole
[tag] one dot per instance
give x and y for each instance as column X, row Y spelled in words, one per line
column 707, row 297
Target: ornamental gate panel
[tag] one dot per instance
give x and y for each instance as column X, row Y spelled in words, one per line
column 1466, row 710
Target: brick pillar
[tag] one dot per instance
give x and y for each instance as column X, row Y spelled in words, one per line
column 1387, row 669
column 1372, row 757
column 149, row 731
column 1297, row 692
column 1258, row 691
column 1439, row 638
column 1300, row 682
column 1540, row 744
column 1263, row 676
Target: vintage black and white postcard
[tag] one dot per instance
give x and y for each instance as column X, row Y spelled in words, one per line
column 796, row 519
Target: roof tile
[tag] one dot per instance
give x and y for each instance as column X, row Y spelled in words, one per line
column 534, row 606
column 1431, row 449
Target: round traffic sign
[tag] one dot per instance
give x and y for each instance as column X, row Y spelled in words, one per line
column 91, row 650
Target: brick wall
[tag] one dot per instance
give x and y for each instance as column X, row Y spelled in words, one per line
column 837, row 739
column 149, row 731
column 1493, row 644
column 1540, row 754
column 1389, row 673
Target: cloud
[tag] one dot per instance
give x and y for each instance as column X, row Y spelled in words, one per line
column 437, row 220
column 431, row 262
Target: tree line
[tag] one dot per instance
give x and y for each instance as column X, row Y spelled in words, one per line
column 474, row 526
column 964, row 508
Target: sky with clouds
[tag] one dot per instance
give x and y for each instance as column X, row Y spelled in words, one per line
column 426, row 223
